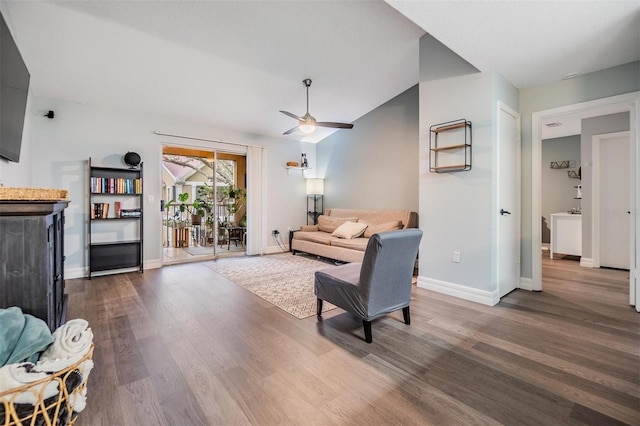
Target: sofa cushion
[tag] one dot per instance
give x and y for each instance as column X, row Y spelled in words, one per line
column 315, row 237
column 349, row 230
column 359, row 244
column 330, row 224
column 375, row 228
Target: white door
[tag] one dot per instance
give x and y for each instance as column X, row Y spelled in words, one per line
column 507, row 210
column 613, row 206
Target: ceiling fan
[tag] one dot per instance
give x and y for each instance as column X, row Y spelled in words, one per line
column 308, row 123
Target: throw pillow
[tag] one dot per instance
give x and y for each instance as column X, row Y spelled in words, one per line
column 382, row 227
column 349, row 230
column 330, row 224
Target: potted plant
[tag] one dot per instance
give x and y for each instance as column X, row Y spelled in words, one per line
column 181, row 208
column 233, row 199
column 200, row 208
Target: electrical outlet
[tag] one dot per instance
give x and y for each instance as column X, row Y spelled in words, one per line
column 456, row 257
column 275, row 232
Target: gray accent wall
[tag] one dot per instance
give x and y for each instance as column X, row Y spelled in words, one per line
column 558, row 192
column 438, row 61
column 591, row 127
column 597, row 85
column 375, row 164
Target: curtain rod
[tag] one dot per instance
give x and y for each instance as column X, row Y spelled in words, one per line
column 157, row 132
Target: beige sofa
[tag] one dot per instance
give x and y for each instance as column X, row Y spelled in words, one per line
column 318, row 239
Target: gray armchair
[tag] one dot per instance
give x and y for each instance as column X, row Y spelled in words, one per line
column 379, row 285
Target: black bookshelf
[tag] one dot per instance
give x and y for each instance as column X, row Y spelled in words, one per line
column 115, row 201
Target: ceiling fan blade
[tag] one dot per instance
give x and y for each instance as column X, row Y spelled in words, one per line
column 290, row 131
column 335, row 125
column 291, row 115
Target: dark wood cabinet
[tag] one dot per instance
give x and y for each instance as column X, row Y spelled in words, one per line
column 32, row 259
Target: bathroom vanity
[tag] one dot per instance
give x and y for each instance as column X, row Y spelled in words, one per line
column 566, row 234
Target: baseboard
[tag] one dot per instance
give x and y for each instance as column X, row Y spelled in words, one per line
column 81, row 271
column 586, row 262
column 73, row 273
column 275, row 249
column 526, row 284
column 460, row 291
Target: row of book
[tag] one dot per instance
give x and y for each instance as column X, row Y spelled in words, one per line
column 101, row 185
column 101, row 211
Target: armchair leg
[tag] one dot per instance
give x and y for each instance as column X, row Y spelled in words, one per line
column 405, row 314
column 367, row 331
column 319, row 305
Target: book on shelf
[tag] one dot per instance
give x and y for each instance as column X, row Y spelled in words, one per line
column 117, row 209
column 99, row 210
column 130, row 213
column 128, row 186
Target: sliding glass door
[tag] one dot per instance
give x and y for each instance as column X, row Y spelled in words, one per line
column 204, row 204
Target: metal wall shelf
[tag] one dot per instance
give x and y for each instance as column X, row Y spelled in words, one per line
column 450, row 153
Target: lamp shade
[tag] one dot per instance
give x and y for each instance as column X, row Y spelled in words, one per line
column 315, row 186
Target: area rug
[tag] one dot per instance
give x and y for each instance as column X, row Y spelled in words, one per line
column 283, row 279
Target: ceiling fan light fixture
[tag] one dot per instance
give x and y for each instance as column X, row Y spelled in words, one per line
column 307, row 128
column 307, row 123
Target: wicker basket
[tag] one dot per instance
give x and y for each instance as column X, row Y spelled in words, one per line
column 292, row 163
column 33, row 194
column 54, row 411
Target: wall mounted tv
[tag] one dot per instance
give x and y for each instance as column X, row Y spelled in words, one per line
column 14, row 89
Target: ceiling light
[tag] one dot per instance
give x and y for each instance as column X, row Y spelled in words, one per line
column 570, row 75
column 308, row 125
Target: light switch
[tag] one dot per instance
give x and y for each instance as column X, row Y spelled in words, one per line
column 150, row 199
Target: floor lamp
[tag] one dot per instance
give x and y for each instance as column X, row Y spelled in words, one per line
column 315, row 191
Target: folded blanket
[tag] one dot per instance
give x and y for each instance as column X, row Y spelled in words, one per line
column 73, row 339
column 16, row 375
column 22, row 336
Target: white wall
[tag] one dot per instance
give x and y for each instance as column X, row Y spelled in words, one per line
column 455, row 208
column 61, row 148
column 557, row 187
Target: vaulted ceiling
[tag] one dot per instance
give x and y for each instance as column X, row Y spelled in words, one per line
column 237, row 63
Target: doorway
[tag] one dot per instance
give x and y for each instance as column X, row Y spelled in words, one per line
column 204, row 204
column 621, row 103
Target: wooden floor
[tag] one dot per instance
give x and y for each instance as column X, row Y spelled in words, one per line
column 183, row 346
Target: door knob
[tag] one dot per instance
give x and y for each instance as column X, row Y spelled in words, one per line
column 503, row 212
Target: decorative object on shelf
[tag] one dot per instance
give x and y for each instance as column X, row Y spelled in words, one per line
column 308, row 123
column 578, row 192
column 132, row 159
column 450, row 146
column 575, row 174
column 303, row 161
column 292, row 163
column 315, row 192
column 564, row 164
column 117, row 252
